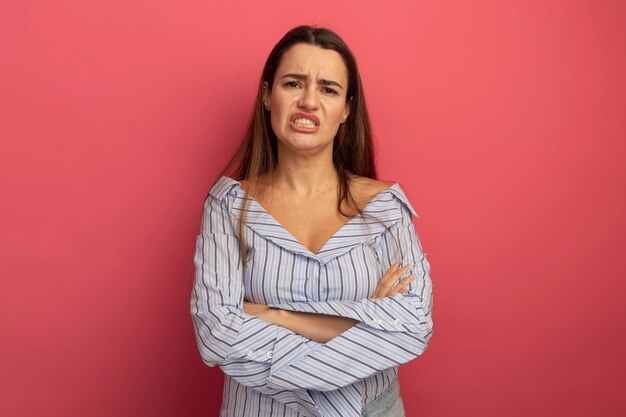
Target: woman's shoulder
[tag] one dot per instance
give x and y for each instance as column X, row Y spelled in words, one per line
column 368, row 189
column 223, row 188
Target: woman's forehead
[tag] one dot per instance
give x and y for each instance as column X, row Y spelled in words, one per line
column 313, row 61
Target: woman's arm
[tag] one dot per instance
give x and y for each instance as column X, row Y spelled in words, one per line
column 325, row 327
column 318, row 327
column 391, row 330
column 241, row 344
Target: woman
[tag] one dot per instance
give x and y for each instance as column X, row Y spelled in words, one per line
column 311, row 285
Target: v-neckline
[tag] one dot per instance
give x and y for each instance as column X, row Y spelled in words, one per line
column 327, row 241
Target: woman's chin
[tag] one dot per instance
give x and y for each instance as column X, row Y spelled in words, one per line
column 305, row 143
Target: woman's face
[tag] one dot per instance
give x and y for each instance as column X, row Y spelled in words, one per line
column 308, row 98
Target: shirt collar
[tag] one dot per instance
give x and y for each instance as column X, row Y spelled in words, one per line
column 380, row 213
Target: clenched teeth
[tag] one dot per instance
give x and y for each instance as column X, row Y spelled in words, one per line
column 304, row 122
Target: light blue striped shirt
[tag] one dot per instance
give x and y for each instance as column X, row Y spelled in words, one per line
column 274, row 372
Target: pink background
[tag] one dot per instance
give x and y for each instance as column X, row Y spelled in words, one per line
column 503, row 121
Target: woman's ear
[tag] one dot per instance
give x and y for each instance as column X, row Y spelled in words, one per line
column 346, row 110
column 266, row 96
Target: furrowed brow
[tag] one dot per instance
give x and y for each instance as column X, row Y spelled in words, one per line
column 305, row 77
column 330, row 82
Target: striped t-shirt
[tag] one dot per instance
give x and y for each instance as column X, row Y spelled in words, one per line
column 271, row 371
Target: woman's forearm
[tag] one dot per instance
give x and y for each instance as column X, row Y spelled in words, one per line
column 322, row 327
column 318, row 327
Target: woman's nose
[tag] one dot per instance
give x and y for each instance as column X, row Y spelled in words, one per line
column 309, row 98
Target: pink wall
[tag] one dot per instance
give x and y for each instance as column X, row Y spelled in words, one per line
column 503, row 121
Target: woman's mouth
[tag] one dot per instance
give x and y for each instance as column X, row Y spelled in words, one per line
column 302, row 124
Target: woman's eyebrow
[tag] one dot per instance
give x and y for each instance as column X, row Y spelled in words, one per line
column 305, row 77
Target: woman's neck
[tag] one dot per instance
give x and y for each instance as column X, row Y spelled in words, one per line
column 305, row 175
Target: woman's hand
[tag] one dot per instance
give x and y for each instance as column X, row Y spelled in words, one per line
column 386, row 288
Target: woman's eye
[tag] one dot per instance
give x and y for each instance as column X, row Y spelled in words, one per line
column 327, row 90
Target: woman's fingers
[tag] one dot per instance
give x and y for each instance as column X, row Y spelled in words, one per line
column 401, row 287
column 384, row 282
column 391, row 277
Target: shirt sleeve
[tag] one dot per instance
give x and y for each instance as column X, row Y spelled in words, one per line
column 243, row 345
column 391, row 330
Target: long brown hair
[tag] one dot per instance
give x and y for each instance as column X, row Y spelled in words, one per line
column 353, row 153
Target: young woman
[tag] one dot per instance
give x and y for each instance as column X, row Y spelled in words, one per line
column 311, row 285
